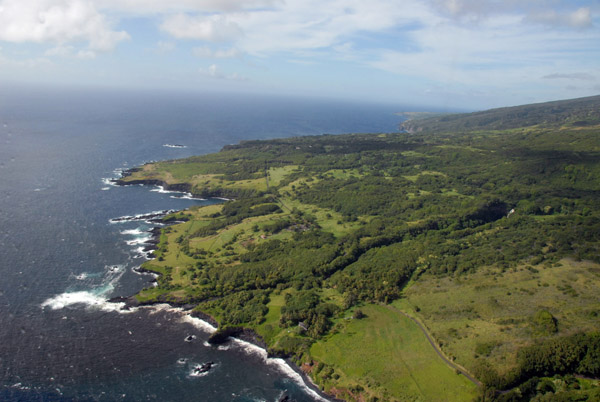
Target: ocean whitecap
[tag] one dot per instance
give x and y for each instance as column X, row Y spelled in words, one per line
column 86, row 298
column 132, row 232
column 278, row 363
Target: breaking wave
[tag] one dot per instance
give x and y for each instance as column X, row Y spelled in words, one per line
column 142, row 217
column 278, row 363
column 95, row 298
column 132, row 232
column 180, row 194
column 87, row 298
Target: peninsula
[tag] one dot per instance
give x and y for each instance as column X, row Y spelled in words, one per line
column 457, row 259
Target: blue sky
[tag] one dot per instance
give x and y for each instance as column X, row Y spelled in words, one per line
column 451, row 53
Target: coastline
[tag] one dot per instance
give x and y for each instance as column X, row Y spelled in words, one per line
column 310, row 383
column 244, row 337
column 250, row 337
column 181, row 187
column 239, row 334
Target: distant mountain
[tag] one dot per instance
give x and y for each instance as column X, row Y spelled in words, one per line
column 581, row 112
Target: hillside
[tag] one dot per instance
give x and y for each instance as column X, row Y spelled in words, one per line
column 582, row 112
column 341, row 250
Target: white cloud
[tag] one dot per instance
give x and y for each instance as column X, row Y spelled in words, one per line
column 60, row 51
column 208, row 53
column 56, row 21
column 163, row 47
column 311, row 24
column 580, row 18
column 499, row 53
column 432, row 43
column 86, row 54
column 70, row 51
column 490, row 44
column 214, row 71
column 29, row 63
column 544, row 11
column 213, row 28
column 162, row 6
column 473, row 9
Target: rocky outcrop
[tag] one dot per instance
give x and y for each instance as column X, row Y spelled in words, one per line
column 179, row 187
column 204, row 317
column 223, row 334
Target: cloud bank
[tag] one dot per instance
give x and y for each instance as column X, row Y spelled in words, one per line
column 57, row 21
column 214, row 28
column 425, row 45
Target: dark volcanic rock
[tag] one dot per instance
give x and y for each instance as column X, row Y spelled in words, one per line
column 249, row 335
column 203, row 368
column 205, row 317
column 129, row 301
column 222, row 335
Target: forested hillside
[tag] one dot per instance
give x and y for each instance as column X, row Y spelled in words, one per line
column 500, row 207
column 566, row 113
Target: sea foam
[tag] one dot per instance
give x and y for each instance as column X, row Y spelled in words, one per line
column 98, row 301
column 109, row 181
column 278, row 363
column 199, row 323
column 95, row 298
column 132, row 232
column 161, row 189
column 142, row 217
column 86, row 298
column 182, row 195
column 139, row 240
column 251, row 349
column 187, row 196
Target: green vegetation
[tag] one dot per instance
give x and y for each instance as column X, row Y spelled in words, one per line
column 484, row 227
column 582, row 112
column 487, row 317
column 387, row 354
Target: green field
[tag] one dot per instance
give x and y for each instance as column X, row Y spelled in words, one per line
column 388, row 354
column 493, row 312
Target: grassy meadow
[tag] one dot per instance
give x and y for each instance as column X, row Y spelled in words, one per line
column 387, row 353
column 491, row 313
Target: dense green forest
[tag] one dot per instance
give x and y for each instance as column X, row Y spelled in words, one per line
column 322, row 225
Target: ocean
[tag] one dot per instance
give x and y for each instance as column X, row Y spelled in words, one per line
column 62, row 256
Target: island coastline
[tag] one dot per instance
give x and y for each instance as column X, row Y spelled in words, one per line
column 243, row 333
column 312, row 229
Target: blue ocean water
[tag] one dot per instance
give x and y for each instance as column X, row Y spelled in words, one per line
column 61, row 258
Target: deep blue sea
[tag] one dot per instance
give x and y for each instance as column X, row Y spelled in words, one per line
column 61, row 258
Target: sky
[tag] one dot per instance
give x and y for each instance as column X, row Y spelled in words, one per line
column 472, row 54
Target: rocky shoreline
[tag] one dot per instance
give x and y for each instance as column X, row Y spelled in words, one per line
column 220, row 335
column 175, row 187
column 241, row 333
column 250, row 336
column 179, row 187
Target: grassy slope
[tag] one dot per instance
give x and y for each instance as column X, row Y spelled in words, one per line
column 581, row 112
column 497, row 308
column 387, row 353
